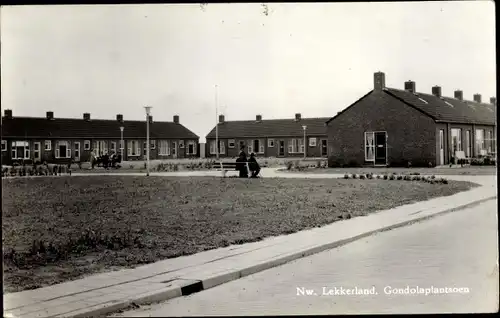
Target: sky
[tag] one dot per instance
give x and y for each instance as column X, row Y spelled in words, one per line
column 310, row 58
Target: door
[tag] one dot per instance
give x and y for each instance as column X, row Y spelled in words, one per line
column 174, row 149
column 324, row 149
column 36, row 152
column 281, row 150
column 77, row 151
column 441, row 147
column 380, row 148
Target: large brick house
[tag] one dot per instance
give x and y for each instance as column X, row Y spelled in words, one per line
column 58, row 140
column 269, row 138
column 392, row 127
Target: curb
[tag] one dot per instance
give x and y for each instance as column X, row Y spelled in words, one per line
column 225, row 277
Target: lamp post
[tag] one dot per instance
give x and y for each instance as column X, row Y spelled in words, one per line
column 121, row 141
column 216, row 124
column 305, row 145
column 148, row 110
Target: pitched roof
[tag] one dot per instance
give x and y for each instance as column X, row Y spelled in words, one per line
column 447, row 109
column 270, row 128
column 32, row 127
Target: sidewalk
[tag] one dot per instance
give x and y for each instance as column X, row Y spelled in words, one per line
column 102, row 294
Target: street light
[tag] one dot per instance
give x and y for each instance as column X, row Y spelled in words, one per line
column 216, row 124
column 148, row 110
column 304, row 127
column 121, row 142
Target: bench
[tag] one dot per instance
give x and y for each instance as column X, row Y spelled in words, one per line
column 228, row 166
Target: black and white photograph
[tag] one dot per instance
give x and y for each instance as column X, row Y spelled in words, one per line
column 365, row 132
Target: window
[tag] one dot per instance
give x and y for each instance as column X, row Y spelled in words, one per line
column 250, row 148
column 20, row 150
column 4, row 145
column 62, row 149
column 133, row 148
column 181, row 144
column 369, row 146
column 490, row 140
column 479, row 142
column 121, row 145
column 77, row 151
column 468, row 144
column 222, row 147
column 231, row 143
column 36, row 151
column 312, row 142
column 242, row 144
column 153, row 144
column 113, row 146
column 174, row 148
column 301, row 145
column 191, row 148
column 270, row 143
column 258, row 146
column 456, row 140
column 212, row 147
column 100, row 147
column 48, row 145
column 164, row 148
column 86, row 145
column 296, row 145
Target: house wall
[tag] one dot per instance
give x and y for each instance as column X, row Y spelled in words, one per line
column 411, row 134
column 311, row 151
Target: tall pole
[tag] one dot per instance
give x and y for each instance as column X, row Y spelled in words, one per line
column 121, row 142
column 216, row 123
column 148, row 109
column 305, row 145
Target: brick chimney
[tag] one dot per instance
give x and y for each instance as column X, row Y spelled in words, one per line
column 410, row 86
column 150, row 117
column 86, row 116
column 221, row 119
column 119, row 118
column 379, row 81
column 258, row 118
column 297, row 117
column 176, row 119
column 436, row 91
column 493, row 101
column 50, row 115
column 459, row 95
column 477, row 98
column 8, row 113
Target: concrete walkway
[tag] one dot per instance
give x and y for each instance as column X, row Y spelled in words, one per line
column 102, row 294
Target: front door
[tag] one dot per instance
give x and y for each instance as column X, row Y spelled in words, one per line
column 174, row 149
column 281, row 150
column 36, row 152
column 77, row 151
column 380, row 148
column 441, row 147
column 324, row 148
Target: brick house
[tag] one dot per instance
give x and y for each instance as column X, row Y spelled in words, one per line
column 58, row 140
column 390, row 126
column 269, row 138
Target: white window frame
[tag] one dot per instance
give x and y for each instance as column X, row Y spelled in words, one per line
column 37, row 154
column 290, row 146
column 457, row 132
column 77, row 150
column 213, row 149
column 367, row 145
column 479, row 141
column 100, row 147
column 270, row 143
column 49, row 144
column 231, row 143
column 312, row 142
column 133, row 148
column 181, row 144
column 222, row 147
column 152, row 144
column 175, row 151
column 86, row 145
column 164, row 148
column 19, row 144
column 194, row 148
column 468, row 145
column 59, row 143
column 113, row 146
column 301, row 146
column 4, row 145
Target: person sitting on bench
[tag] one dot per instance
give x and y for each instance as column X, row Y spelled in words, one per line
column 254, row 166
column 241, row 165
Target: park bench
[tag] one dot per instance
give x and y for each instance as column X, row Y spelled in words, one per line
column 226, row 166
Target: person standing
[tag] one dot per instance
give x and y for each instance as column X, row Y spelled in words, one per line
column 92, row 158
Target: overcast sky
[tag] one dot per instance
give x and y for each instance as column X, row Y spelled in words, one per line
column 315, row 59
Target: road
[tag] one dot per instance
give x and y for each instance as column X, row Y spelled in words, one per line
column 456, row 250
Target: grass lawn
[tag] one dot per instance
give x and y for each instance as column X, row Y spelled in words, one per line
column 93, row 224
column 468, row 170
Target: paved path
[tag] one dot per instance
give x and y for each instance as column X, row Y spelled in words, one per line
column 455, row 250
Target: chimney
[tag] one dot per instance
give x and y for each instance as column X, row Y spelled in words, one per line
column 379, row 81
column 410, row 86
column 176, row 119
column 459, row 95
column 8, row 113
column 86, row 116
column 119, row 118
column 297, row 117
column 50, row 115
column 221, row 119
column 493, row 101
column 258, row 118
column 477, row 98
column 150, row 119
column 436, row 91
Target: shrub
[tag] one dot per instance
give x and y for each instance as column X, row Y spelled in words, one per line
column 346, row 176
column 433, row 177
column 131, row 166
column 378, row 176
column 354, row 176
column 385, row 177
column 318, row 164
column 362, row 176
column 392, row 177
column 289, row 165
column 400, row 177
column 176, row 167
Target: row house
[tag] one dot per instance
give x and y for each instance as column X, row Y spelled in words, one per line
column 60, row 140
column 296, row 137
column 390, row 126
